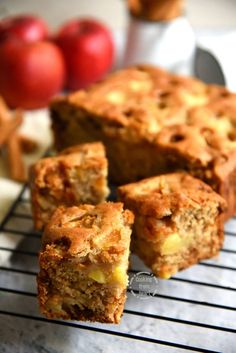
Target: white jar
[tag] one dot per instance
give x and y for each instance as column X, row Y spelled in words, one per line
column 169, row 44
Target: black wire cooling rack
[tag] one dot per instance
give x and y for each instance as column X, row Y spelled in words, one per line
column 194, row 311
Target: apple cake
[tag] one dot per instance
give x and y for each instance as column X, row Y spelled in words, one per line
column 78, row 175
column 153, row 122
column 84, row 262
column 178, row 221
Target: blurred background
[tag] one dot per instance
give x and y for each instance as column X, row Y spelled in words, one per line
column 201, row 13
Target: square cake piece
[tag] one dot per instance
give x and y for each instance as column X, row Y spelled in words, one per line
column 178, row 221
column 78, row 175
column 84, row 262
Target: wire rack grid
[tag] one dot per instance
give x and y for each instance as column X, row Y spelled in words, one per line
column 194, row 311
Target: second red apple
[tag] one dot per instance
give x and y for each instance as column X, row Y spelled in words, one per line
column 88, row 49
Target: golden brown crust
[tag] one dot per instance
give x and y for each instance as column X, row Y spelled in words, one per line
column 87, row 150
column 117, row 107
column 75, row 176
column 156, row 10
column 156, row 122
column 115, row 112
column 86, row 226
column 122, row 99
column 119, row 104
column 84, row 262
column 164, row 195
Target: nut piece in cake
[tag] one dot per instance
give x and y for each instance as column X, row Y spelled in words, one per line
column 84, row 262
column 178, row 221
column 78, row 175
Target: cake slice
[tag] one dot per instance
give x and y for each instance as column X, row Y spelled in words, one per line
column 84, row 262
column 78, row 175
column 178, row 221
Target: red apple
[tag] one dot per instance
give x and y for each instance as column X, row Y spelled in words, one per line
column 88, row 49
column 28, row 28
column 30, row 73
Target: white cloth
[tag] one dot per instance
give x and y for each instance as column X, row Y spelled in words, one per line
column 36, row 125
